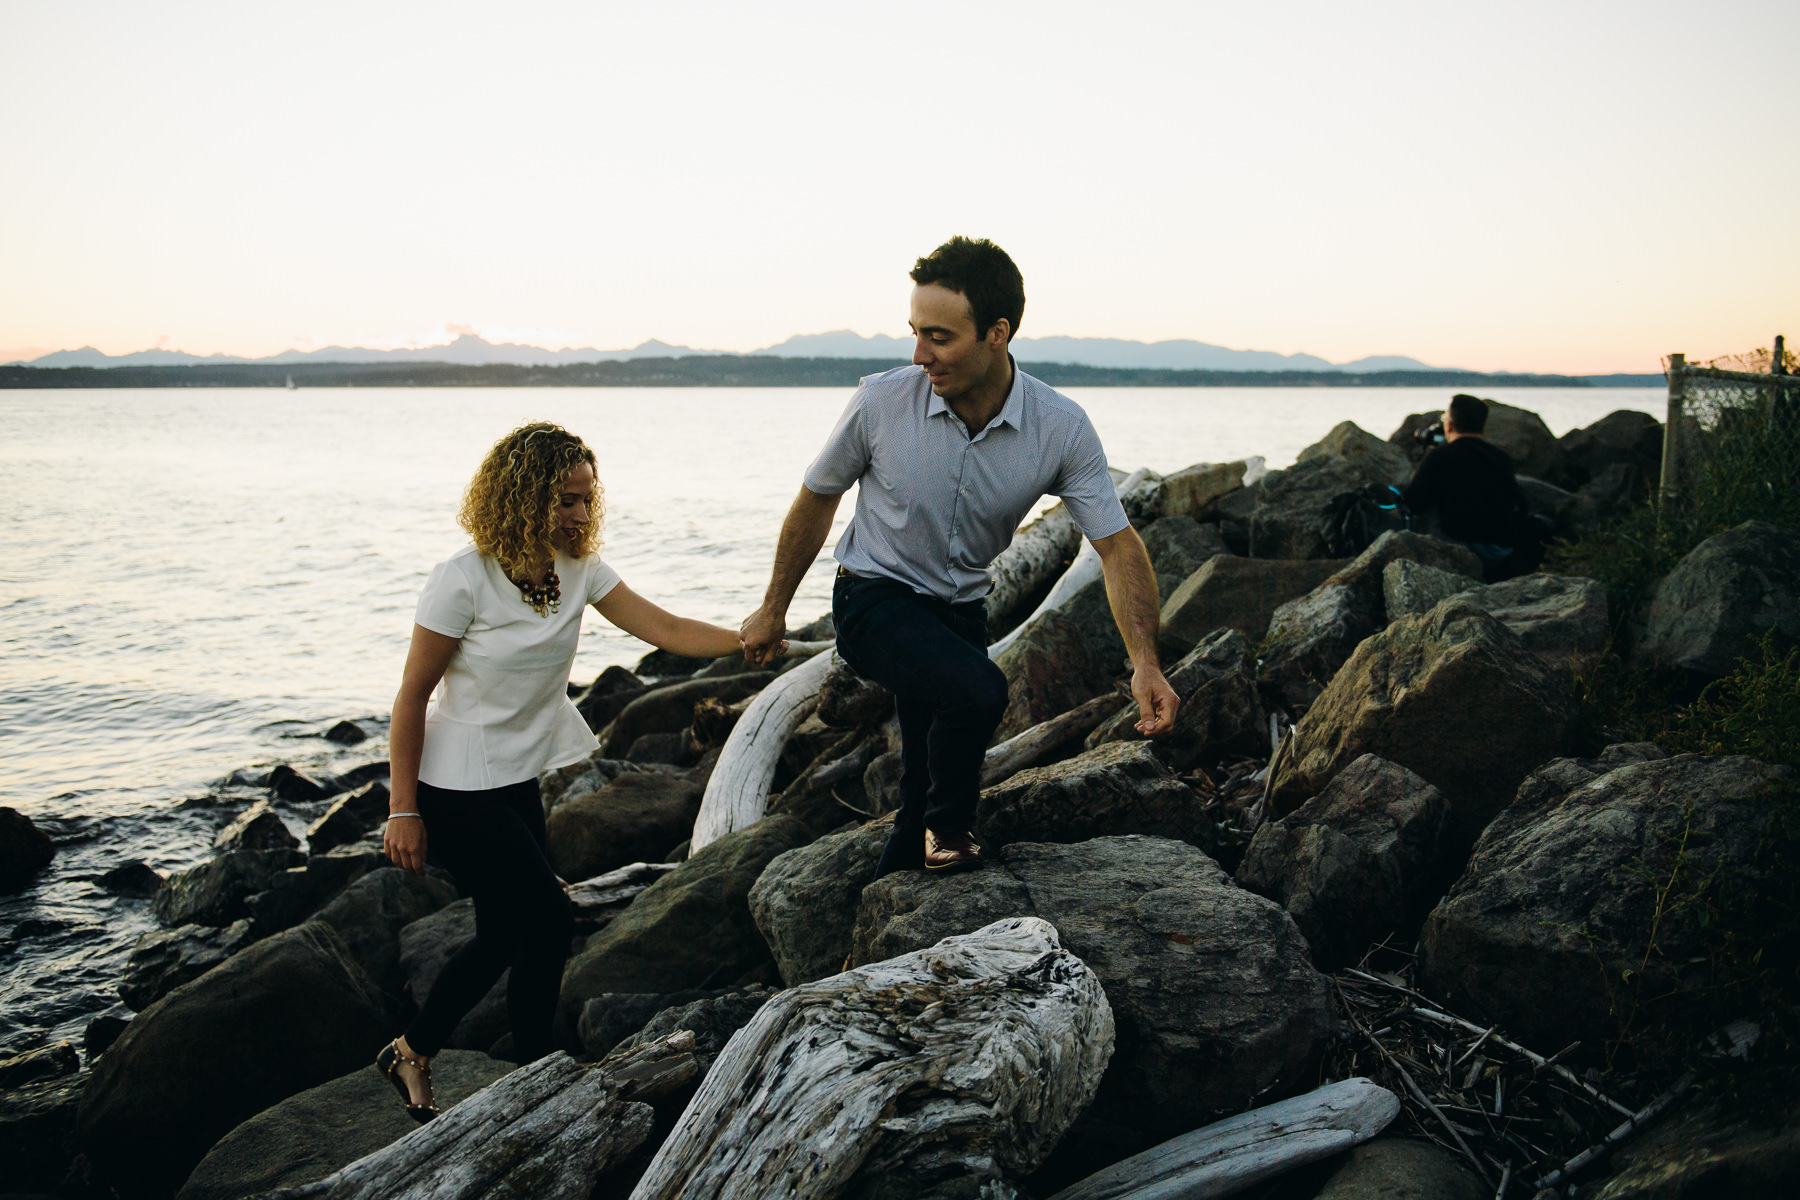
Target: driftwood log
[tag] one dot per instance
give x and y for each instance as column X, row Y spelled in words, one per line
column 1038, row 743
column 970, row 1058
column 1237, row 1153
column 598, row 900
column 1083, row 571
column 545, row 1132
column 737, row 794
column 1036, row 555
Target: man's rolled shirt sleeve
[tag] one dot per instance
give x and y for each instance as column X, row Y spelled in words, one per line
column 1086, row 486
column 845, row 455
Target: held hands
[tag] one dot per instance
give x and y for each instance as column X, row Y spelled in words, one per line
column 403, row 841
column 1156, row 701
column 761, row 634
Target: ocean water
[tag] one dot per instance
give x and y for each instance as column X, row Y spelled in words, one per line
column 198, row 580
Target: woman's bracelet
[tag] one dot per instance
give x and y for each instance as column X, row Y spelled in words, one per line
column 393, row 816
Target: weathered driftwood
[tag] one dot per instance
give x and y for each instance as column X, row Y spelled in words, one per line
column 969, row 1058
column 545, row 1132
column 1083, row 571
column 1037, row 553
column 1032, row 747
column 1239, row 1152
column 1634, row 1123
column 598, row 900
column 737, row 794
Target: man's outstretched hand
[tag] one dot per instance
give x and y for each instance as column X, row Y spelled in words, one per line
column 1156, row 701
column 762, row 633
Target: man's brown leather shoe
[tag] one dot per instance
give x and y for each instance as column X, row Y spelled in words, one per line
column 950, row 851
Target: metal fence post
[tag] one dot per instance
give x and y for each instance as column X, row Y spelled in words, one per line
column 1669, row 485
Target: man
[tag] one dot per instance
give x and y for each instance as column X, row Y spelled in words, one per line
column 951, row 454
column 1469, row 483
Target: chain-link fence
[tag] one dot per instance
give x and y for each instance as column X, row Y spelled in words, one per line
column 1731, row 450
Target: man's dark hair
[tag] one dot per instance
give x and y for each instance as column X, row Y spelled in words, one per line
column 1468, row 413
column 983, row 274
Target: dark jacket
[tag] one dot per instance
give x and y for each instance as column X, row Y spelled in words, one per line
column 1469, row 484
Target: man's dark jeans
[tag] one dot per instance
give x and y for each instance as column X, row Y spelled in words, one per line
column 933, row 656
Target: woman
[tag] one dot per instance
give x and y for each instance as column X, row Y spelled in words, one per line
column 497, row 625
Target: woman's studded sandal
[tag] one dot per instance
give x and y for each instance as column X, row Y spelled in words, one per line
column 388, row 1063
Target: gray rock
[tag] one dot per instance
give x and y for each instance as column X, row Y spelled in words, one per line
column 292, row 784
column 609, row 1020
column 607, row 697
column 1179, row 546
column 1562, row 507
column 1525, row 438
column 1194, row 491
column 1730, row 590
column 1311, row 637
column 670, row 708
column 676, row 749
column 711, row 1019
column 590, row 775
column 24, row 850
column 689, row 929
column 103, row 1029
column 1559, row 618
column 216, row 892
column 295, row 1007
column 346, row 733
column 47, row 1062
column 1220, row 711
column 1619, row 439
column 1409, row 588
column 1454, row 696
column 1559, row 900
column 37, row 1132
column 1121, row 787
column 847, row 700
column 804, row 902
column 310, row 1135
column 1284, row 511
column 1354, row 864
column 425, row 946
column 349, row 819
column 1050, row 668
column 1215, row 998
column 134, row 879
column 635, row 818
column 1235, row 593
column 1379, row 461
column 164, row 959
column 370, row 913
column 1395, row 1168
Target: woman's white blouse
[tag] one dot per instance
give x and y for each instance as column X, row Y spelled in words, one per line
column 502, row 713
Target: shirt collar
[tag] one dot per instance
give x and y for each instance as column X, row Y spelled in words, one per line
column 1011, row 413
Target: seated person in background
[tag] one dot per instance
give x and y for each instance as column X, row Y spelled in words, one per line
column 1468, row 483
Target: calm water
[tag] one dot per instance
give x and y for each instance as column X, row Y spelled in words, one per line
column 193, row 581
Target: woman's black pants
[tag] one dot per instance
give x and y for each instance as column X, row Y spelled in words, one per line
column 493, row 842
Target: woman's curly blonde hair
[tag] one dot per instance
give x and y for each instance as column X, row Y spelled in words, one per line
column 511, row 505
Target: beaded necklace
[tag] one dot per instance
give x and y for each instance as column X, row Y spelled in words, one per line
column 544, row 598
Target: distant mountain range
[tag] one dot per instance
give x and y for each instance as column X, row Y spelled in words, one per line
column 470, row 350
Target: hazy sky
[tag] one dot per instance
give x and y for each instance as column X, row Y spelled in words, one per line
column 1562, row 186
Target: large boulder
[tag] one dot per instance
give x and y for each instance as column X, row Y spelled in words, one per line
column 164, row 959
column 1356, row 863
column 610, row 1020
column 308, row 1136
column 1730, row 590
column 1379, row 461
column 1395, row 1168
column 1560, row 618
column 691, row 928
column 1121, row 787
column 1454, row 696
column 1409, row 588
column 637, row 817
column 1051, row 667
column 217, row 891
column 429, row 943
column 711, row 1019
column 1220, row 714
column 370, row 913
column 37, row 1125
column 1179, row 546
column 804, row 903
column 1235, row 593
column 590, row 775
column 287, row 1014
column 607, row 697
column 258, row 827
column 1582, row 901
column 1211, row 986
column 1193, row 491
column 350, row 818
column 24, row 850
column 1283, row 513
column 1620, row 439
column 669, row 709
column 1309, row 638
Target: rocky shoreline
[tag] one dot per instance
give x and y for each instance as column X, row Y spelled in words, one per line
column 1380, row 842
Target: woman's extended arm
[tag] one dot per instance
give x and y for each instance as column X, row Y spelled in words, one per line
column 664, row 630
column 426, row 659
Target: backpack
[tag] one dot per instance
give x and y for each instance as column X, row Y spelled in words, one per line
column 1353, row 521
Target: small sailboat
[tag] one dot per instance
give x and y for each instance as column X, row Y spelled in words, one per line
column 291, row 385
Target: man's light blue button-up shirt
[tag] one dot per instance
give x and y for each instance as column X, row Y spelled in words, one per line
column 936, row 506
